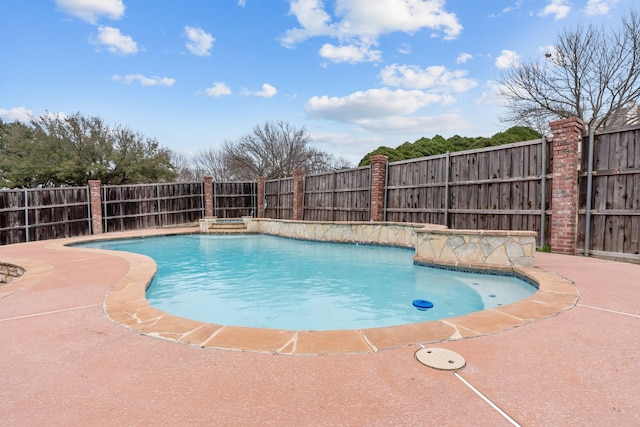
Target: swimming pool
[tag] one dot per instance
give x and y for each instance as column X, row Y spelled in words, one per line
column 274, row 282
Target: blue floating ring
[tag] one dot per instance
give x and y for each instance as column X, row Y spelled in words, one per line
column 421, row 304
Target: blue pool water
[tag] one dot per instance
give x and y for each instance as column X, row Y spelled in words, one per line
column 274, row 282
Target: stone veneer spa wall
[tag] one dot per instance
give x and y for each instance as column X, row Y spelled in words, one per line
column 433, row 243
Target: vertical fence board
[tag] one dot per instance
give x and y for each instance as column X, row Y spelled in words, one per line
column 615, row 207
column 234, row 199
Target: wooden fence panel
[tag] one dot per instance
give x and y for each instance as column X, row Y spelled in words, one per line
column 278, row 194
column 614, row 223
column 318, row 200
column 134, row 207
column 352, row 194
column 341, row 195
column 500, row 188
column 234, row 199
column 43, row 213
column 59, row 212
column 496, row 188
column 416, row 190
column 12, row 217
column 130, row 207
column 181, row 203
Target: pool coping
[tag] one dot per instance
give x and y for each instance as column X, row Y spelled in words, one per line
column 126, row 304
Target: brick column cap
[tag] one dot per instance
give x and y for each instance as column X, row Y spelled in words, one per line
column 566, row 123
column 379, row 158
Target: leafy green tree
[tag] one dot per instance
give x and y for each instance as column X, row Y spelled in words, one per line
column 55, row 150
column 424, row 147
column 514, row 134
column 391, row 153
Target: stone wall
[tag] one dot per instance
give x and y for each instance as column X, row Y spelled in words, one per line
column 393, row 234
column 8, row 272
column 433, row 243
column 477, row 247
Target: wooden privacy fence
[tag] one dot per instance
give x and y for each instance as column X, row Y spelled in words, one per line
column 234, row 199
column 497, row 188
column 43, row 213
column 609, row 201
column 578, row 194
column 133, row 207
column 342, row 195
column 278, row 198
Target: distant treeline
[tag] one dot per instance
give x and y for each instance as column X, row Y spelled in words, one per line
column 439, row 145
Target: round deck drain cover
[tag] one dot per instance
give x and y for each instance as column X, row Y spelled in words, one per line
column 440, row 358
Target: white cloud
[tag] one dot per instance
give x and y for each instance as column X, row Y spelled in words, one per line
column 599, row 7
column 437, row 78
column 143, row 80
column 463, row 57
column 91, row 10
column 507, row 58
column 417, row 124
column 558, row 8
column 492, row 95
column 115, row 41
column 314, row 21
column 20, row 114
column 404, row 49
column 362, row 22
column 200, row 42
column 342, row 140
column 267, row 91
column 242, row 3
column 349, row 53
column 373, row 104
column 516, row 6
column 386, row 111
column 218, row 89
column 371, row 19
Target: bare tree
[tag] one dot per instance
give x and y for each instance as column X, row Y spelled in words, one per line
column 184, row 167
column 273, row 150
column 211, row 162
column 589, row 73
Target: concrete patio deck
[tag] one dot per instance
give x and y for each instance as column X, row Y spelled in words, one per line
column 65, row 363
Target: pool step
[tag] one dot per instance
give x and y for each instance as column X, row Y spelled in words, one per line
column 223, row 226
column 229, row 228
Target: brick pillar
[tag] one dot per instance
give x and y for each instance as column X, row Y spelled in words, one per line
column 298, row 193
column 378, row 182
column 564, row 190
column 260, row 208
column 95, row 197
column 208, row 196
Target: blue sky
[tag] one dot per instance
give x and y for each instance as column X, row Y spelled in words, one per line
column 356, row 74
